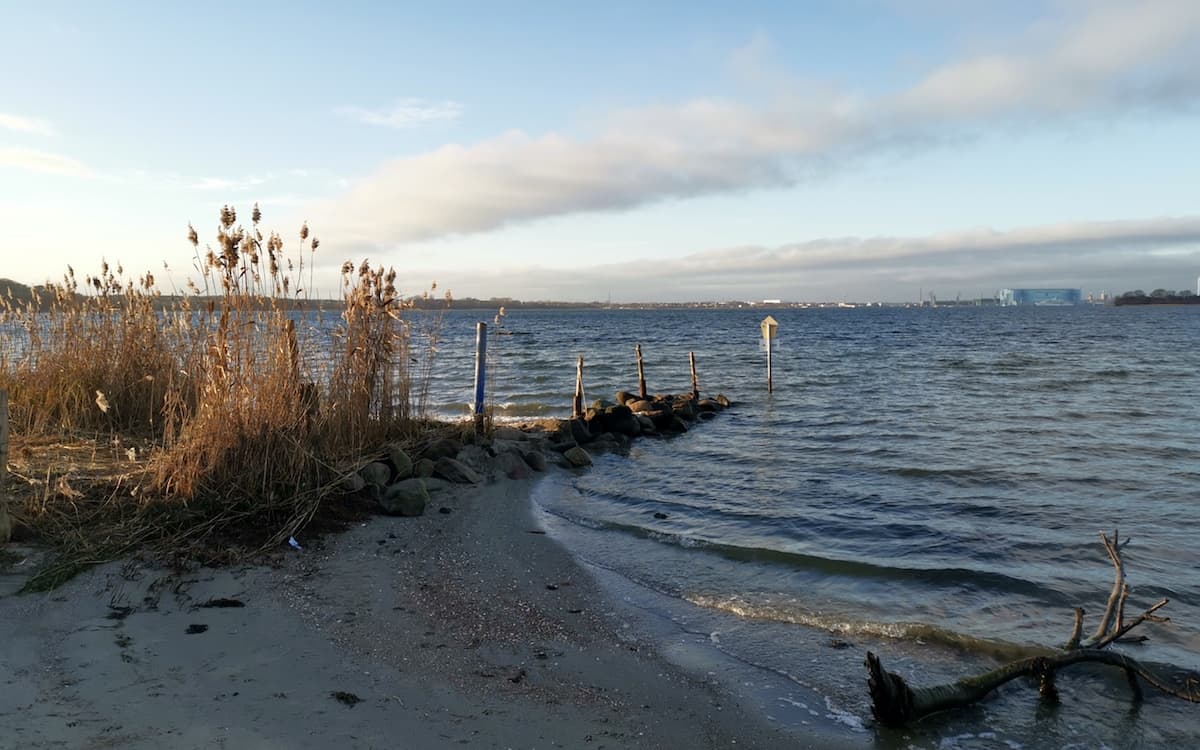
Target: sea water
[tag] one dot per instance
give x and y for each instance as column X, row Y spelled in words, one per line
column 927, row 484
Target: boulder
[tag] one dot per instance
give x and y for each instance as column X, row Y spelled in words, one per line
column 477, row 457
column 707, row 405
column 647, row 424
column 443, row 448
column 724, row 402
column 678, row 425
column 405, row 498
column 639, row 406
column 455, row 471
column 536, row 460
column 624, row 397
column 580, row 432
column 376, row 473
column 625, row 423
column 601, row 404
column 685, row 408
column 351, row 483
column 578, row 457
column 513, row 465
column 423, row 468
column 402, row 465
column 707, row 415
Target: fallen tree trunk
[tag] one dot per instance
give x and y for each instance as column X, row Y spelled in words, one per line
column 894, row 703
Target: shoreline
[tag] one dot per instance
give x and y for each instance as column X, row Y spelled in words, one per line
column 464, row 626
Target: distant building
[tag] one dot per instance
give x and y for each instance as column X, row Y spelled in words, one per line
column 1041, row 297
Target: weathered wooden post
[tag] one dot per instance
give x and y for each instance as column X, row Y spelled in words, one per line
column 641, row 374
column 480, row 372
column 695, row 380
column 770, row 329
column 577, row 405
column 5, row 521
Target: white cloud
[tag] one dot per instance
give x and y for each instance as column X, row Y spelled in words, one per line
column 42, row 161
column 1114, row 57
column 405, row 113
column 25, row 124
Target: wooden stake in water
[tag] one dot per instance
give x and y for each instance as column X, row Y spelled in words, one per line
column 5, row 521
column 770, row 329
column 695, row 380
column 641, row 374
column 480, row 372
column 577, row 406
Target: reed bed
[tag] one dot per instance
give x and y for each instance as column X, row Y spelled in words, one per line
column 216, row 421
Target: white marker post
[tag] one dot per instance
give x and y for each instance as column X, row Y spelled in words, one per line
column 770, row 329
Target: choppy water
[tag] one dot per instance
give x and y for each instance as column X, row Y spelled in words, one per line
column 929, row 484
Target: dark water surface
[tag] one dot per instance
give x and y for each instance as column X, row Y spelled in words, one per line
column 926, row 483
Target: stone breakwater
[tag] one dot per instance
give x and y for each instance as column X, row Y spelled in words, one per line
column 403, row 481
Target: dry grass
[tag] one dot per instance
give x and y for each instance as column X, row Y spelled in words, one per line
column 212, row 422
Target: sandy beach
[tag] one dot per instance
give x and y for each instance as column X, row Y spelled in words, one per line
column 467, row 626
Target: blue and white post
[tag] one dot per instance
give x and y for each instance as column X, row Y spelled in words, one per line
column 480, row 373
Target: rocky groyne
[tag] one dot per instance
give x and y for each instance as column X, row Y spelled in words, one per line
column 403, row 480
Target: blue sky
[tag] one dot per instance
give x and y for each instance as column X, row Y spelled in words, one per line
column 655, row 151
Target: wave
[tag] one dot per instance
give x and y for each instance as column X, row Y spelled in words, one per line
column 947, row 577
column 916, row 632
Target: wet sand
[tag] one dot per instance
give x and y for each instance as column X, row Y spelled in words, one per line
column 465, row 627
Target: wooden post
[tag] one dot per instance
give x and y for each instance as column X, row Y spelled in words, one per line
column 5, row 521
column 480, row 372
column 577, row 406
column 641, row 374
column 695, row 380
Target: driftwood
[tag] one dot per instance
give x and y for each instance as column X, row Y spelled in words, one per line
column 894, row 703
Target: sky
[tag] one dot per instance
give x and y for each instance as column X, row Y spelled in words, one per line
column 634, row 151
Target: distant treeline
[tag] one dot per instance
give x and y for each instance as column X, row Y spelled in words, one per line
column 1158, row 297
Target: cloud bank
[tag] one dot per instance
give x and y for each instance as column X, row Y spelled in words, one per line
column 1115, row 57
column 1110, row 256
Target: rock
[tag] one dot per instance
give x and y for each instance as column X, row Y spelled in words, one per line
column 405, row 498
column 624, row 397
column 509, row 433
column 580, row 432
column 536, row 460
column 639, row 406
column 707, row 405
column 351, row 484
column 443, row 448
column 685, row 408
column 601, row 404
column 455, row 471
column 578, row 457
column 620, row 419
column 433, row 484
column 724, row 402
column 423, row 468
column 660, row 515
column 376, row 473
column 477, row 457
column 647, row 424
column 513, row 465
column 678, row 425
column 402, row 465
column 707, row 415
column 662, row 419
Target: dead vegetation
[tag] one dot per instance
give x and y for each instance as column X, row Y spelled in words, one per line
column 211, row 422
